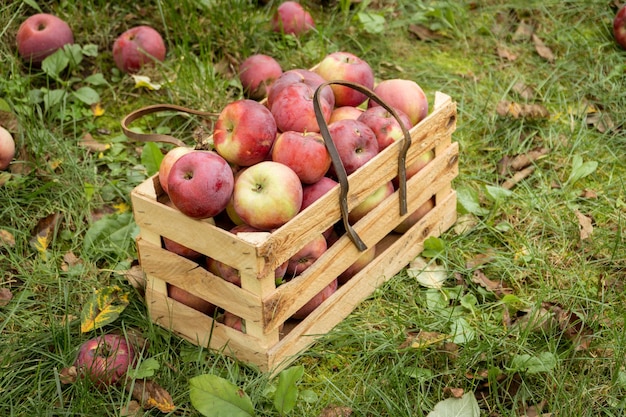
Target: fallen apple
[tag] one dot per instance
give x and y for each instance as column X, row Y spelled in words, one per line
column 257, row 73
column 292, row 18
column 41, row 35
column 105, row 359
column 619, row 27
column 7, row 148
column 137, row 47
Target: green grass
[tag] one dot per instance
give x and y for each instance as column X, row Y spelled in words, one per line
column 367, row 363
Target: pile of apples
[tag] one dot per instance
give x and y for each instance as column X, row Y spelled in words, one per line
column 270, row 162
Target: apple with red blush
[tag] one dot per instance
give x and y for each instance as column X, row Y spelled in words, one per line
column 315, row 302
column 304, row 152
column 291, row 18
column 137, row 47
column 7, row 148
column 190, row 300
column 371, row 202
column 345, row 112
column 346, row 66
column 257, row 73
column 306, row 256
column 244, row 132
column 40, row 35
column 619, row 27
column 416, row 216
column 233, row 321
column 361, row 262
column 181, row 250
column 355, row 142
column 293, row 108
column 105, row 359
column 304, row 76
column 200, row 184
column 384, row 125
column 168, row 160
column 404, row 95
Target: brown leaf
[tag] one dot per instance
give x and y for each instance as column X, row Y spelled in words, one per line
column 45, row 230
column 136, row 277
column 589, row 194
column 498, row 288
column 132, row 409
column 68, row 375
column 88, row 142
column 533, row 320
column 534, row 410
column 423, row 33
column 453, row 392
column 70, row 260
column 151, row 395
column 425, row 339
column 504, row 52
column 519, row 176
column 5, row 296
column 6, row 238
column 572, row 326
column 516, row 110
column 518, row 162
column 336, row 411
column 480, row 259
column 585, row 225
column 523, row 90
column 602, row 122
column 542, row 49
column 523, row 33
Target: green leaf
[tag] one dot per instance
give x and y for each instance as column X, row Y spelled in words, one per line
column 468, row 202
column 581, row 169
column 466, row 406
column 96, row 79
column 497, row 193
column 214, row 396
column 74, row 53
column 151, row 157
column 90, row 50
column 87, row 95
column 545, row 362
column 462, row 331
column 372, row 22
column 111, row 234
column 433, row 246
column 53, row 98
column 33, row 4
column 54, row 64
column 103, row 308
column 146, row 369
column 286, row 391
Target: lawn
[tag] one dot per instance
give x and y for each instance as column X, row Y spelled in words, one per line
column 524, row 315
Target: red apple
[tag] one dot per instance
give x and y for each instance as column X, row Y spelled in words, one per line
column 290, row 17
column 233, row 321
column 168, row 160
column 355, row 142
column 306, row 256
column 190, row 300
column 200, row 184
column 386, row 128
column 416, row 216
column 300, row 75
column 41, row 35
column 181, row 250
column 267, row 195
column 370, row 203
column 7, row 148
column 304, row 152
column 312, row 192
column 257, row 73
column 137, row 47
column 345, row 112
column 105, row 359
column 293, row 109
column 619, row 27
column 312, row 304
column 362, row 261
column 348, row 67
column 244, row 132
column 404, row 95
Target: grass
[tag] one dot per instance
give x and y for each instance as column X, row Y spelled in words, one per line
column 372, row 362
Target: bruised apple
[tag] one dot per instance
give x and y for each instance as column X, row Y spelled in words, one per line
column 41, row 35
column 104, row 359
column 138, row 46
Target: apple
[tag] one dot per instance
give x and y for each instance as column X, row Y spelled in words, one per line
column 257, row 73
column 619, row 26
column 370, row 203
column 416, row 166
column 345, row 112
column 41, row 35
column 348, row 67
column 416, row 216
column 200, row 184
column 267, row 195
column 386, row 128
column 138, row 46
column 304, row 152
column 105, row 359
column 362, row 261
column 181, row 250
column 244, row 132
column 233, row 321
column 292, row 18
column 314, row 302
column 300, row 75
column 404, row 95
column 7, row 148
column 190, row 300
column 306, row 256
column 168, row 160
column 293, row 108
column 355, row 142
column 311, row 192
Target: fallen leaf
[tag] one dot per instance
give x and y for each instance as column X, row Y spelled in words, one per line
column 425, row 339
column 5, row 296
column 516, row 163
column 45, row 231
column 523, row 90
column 480, row 259
column 70, row 260
column 151, row 395
column 572, row 326
column 423, row 33
column 142, row 81
column 518, row 177
column 498, row 288
column 505, row 52
column 589, row 194
column 9, row 121
column 88, row 142
column 6, row 238
column 336, row 411
column 68, row 375
column 534, row 410
column 516, row 110
column 453, row 392
column 97, row 110
column 585, row 225
column 132, row 409
column 534, row 320
column 542, row 49
column 523, row 33
column 135, row 276
column 602, row 122
column 428, row 274
column 465, row 223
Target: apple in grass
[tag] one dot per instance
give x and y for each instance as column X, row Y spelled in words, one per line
column 347, row 67
column 138, row 46
column 105, row 359
column 257, row 73
column 190, row 300
column 291, row 18
column 168, row 160
column 267, row 195
column 304, row 152
column 200, row 184
column 41, row 35
column 293, row 109
column 386, row 128
column 314, row 302
column 371, row 202
column 619, row 26
column 7, row 148
column 244, row 132
column 404, row 95
column 355, row 142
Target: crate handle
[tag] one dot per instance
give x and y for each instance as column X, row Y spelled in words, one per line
column 338, row 165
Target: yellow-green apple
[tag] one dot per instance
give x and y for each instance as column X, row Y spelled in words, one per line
column 41, row 35
column 181, row 250
column 370, row 203
column 404, row 95
column 314, row 302
column 293, row 108
column 244, row 132
column 362, row 261
column 300, row 75
column 306, row 256
column 415, row 167
column 355, row 142
column 200, row 184
column 190, row 300
column 290, row 17
column 105, row 359
column 345, row 112
column 304, row 152
column 416, row 216
column 168, row 160
column 257, row 73
column 347, row 67
column 619, row 26
column 386, row 128
column 137, row 47
column 267, row 195
column 7, row 148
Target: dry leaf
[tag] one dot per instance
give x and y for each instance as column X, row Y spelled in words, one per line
column 518, row 162
column 136, row 277
column 519, row 176
column 527, row 111
column 424, row 34
column 534, row 410
column 152, row 395
column 572, row 326
column 453, row 392
column 585, row 225
column 88, row 142
column 480, row 259
column 9, row 121
column 70, row 260
column 602, row 122
column 428, row 274
column 465, row 223
column 68, row 375
column 523, row 90
column 132, row 409
column 425, row 339
column 44, row 232
column 5, row 296
column 589, row 194
column 336, row 411
column 97, row 110
column 542, row 49
column 523, row 33
column 505, row 52
column 533, row 320
column 6, row 238
column 498, row 288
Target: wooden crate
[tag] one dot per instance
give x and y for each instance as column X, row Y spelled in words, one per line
column 272, row 340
